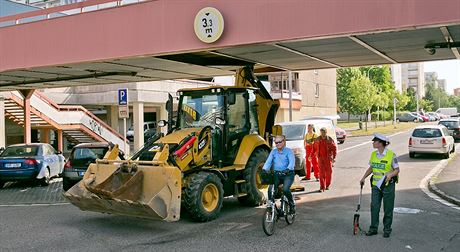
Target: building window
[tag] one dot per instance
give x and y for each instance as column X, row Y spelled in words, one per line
column 317, row 90
column 280, row 82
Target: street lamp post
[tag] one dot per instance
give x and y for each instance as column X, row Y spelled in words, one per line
column 394, row 111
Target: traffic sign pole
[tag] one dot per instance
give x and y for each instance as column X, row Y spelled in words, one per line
column 126, row 146
column 123, row 112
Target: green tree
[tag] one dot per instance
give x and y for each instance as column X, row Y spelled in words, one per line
column 344, row 76
column 403, row 100
column 454, row 102
column 362, row 95
column 426, row 105
column 412, row 102
column 438, row 97
column 380, row 77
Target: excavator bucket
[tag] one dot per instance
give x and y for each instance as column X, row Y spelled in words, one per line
column 144, row 189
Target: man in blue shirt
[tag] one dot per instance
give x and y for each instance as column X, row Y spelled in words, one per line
column 282, row 160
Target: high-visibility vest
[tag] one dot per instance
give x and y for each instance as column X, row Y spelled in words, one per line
column 310, row 139
column 380, row 166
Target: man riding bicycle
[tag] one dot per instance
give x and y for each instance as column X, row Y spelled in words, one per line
column 282, row 159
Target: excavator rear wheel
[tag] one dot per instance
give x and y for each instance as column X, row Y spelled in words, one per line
column 203, row 196
column 251, row 174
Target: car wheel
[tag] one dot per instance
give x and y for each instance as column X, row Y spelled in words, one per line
column 415, row 120
column 341, row 142
column 397, row 120
column 446, row 155
column 61, row 172
column 45, row 181
column 412, row 154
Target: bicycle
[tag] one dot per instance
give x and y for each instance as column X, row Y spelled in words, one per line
column 273, row 212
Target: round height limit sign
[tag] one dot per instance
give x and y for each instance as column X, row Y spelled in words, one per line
column 209, row 25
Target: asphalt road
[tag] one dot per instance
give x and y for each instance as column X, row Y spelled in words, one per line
column 323, row 223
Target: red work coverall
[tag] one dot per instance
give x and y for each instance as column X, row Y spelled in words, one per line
column 313, row 163
column 325, row 150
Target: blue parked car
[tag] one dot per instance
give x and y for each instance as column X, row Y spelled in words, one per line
column 37, row 161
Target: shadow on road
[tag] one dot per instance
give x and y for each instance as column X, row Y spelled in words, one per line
column 419, row 157
column 323, row 225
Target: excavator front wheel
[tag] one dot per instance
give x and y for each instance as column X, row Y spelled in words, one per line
column 203, row 196
column 253, row 184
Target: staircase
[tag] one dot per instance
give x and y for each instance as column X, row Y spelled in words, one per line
column 77, row 123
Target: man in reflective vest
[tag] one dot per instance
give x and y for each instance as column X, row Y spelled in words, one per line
column 311, row 161
column 384, row 167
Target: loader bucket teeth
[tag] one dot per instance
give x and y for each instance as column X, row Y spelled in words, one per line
column 147, row 191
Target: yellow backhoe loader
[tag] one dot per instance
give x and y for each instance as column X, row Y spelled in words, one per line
column 215, row 147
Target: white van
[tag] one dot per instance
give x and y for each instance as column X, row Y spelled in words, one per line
column 295, row 133
column 447, row 111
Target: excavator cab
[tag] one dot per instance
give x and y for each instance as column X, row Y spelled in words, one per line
column 228, row 112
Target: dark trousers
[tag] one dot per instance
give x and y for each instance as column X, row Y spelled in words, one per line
column 388, row 197
column 286, row 179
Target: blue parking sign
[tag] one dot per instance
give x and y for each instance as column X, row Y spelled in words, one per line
column 122, row 96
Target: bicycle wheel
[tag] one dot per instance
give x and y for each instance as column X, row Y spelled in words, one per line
column 269, row 220
column 288, row 216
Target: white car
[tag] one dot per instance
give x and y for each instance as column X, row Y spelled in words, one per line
column 149, row 130
column 431, row 139
column 295, row 134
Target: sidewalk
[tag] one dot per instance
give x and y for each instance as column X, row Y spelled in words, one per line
column 447, row 184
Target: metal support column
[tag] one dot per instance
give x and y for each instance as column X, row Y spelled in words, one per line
column 290, row 95
column 60, row 145
column 2, row 122
column 138, row 115
column 27, row 94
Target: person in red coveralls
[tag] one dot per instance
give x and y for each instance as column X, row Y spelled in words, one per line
column 326, row 151
column 310, row 160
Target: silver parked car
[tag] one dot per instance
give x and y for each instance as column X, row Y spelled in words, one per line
column 431, row 139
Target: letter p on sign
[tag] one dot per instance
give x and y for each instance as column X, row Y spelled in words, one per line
column 123, row 96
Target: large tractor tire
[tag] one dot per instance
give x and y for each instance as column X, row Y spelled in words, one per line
column 253, row 184
column 203, row 196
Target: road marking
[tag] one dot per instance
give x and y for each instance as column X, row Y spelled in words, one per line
column 361, row 144
column 405, row 210
column 38, row 204
column 424, row 184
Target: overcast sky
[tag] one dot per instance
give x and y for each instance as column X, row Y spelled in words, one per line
column 448, row 70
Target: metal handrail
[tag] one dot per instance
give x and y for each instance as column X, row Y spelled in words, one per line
column 71, row 108
column 76, row 108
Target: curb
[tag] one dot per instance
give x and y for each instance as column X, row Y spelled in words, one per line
column 434, row 189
